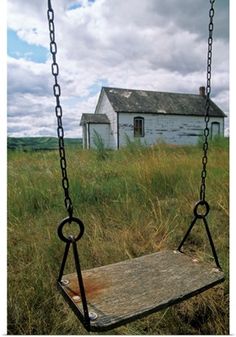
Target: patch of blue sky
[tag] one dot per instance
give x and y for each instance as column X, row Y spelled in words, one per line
column 73, row 6
column 71, row 101
column 96, row 87
column 78, row 4
column 17, row 48
column 93, row 90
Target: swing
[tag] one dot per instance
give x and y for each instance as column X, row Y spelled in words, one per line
column 109, row 296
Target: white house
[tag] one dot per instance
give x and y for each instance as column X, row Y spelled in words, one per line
column 151, row 116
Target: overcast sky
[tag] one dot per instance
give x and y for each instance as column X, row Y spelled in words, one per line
column 139, row 44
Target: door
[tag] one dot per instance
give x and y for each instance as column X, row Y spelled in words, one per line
column 215, row 129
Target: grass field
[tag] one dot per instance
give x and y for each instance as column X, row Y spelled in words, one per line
column 133, row 201
column 39, row 143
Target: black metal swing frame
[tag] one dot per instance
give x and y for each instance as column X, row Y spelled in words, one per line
column 172, row 262
column 172, row 276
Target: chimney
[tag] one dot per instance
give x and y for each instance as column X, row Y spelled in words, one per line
column 202, row 91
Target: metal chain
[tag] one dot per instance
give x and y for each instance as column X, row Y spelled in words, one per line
column 58, row 111
column 58, row 108
column 207, row 106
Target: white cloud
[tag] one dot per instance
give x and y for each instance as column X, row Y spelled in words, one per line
column 149, row 44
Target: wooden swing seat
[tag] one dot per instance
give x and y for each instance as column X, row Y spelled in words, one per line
column 122, row 292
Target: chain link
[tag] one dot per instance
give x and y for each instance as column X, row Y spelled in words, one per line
column 207, row 105
column 58, row 111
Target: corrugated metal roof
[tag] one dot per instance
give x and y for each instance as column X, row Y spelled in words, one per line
column 94, row 118
column 144, row 101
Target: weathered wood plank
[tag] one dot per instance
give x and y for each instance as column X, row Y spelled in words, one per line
column 121, row 292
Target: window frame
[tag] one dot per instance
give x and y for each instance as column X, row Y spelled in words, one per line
column 139, row 129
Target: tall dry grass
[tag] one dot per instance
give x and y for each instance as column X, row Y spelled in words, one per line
column 134, row 201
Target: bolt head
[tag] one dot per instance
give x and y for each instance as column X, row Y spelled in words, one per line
column 65, row 282
column 92, row 315
column 76, row 298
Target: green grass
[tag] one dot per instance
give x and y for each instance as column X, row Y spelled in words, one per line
column 39, row 143
column 134, row 201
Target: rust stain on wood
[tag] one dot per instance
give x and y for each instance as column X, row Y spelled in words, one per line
column 93, row 287
column 122, row 292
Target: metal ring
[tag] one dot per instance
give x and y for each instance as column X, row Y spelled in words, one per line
column 201, row 203
column 66, row 221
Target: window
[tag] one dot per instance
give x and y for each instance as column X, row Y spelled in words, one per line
column 138, row 127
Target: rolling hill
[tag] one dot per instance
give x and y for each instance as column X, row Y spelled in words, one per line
column 39, row 143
